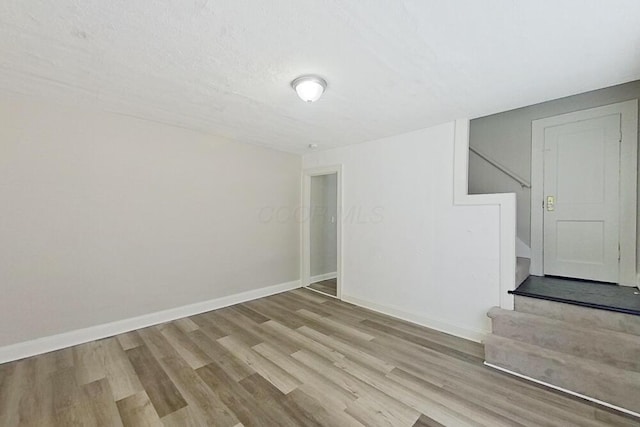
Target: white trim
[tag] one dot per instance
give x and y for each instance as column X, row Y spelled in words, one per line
column 506, row 203
column 92, row 333
column 564, row 390
column 321, row 277
column 418, row 319
column 305, row 247
column 628, row 111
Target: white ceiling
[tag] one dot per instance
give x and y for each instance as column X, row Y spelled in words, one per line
column 224, row 66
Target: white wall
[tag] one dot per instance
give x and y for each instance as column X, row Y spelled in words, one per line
column 106, row 217
column 323, row 245
column 506, row 137
column 406, row 248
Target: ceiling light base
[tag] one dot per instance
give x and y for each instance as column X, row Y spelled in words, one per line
column 309, row 88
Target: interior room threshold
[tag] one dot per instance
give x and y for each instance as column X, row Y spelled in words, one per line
column 327, row 287
column 603, row 296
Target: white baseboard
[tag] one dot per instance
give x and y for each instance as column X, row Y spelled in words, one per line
column 419, row 319
column 564, row 390
column 92, row 333
column 321, row 277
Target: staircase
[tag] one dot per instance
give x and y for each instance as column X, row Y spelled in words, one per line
column 522, row 270
column 591, row 352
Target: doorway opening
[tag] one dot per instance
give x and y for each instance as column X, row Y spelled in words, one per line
column 322, row 231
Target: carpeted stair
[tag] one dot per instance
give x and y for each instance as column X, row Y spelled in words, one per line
column 588, row 351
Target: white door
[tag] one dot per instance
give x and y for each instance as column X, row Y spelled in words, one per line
column 581, row 199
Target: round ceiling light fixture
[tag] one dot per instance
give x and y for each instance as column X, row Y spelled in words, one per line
column 309, row 88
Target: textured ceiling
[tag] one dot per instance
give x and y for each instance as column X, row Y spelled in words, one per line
column 224, row 66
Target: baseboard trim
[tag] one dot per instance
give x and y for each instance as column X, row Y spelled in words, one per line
column 80, row 336
column 418, row 319
column 321, row 277
column 564, row 390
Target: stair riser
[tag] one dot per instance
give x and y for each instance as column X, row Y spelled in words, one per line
column 582, row 316
column 614, row 386
column 615, row 349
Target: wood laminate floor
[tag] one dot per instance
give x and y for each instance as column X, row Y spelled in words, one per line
column 329, row 287
column 293, row 359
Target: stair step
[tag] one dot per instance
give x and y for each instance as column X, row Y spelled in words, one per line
column 613, row 348
column 522, row 269
column 597, row 380
column 582, row 316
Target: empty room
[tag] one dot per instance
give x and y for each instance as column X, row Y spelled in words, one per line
column 319, row 213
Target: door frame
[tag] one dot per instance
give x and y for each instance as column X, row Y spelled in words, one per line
column 628, row 111
column 305, row 246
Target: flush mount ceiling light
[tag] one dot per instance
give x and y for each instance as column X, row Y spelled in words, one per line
column 309, row 88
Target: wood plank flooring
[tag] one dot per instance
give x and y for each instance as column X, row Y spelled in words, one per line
column 329, row 287
column 293, row 359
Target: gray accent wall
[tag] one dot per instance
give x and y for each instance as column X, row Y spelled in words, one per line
column 506, row 137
